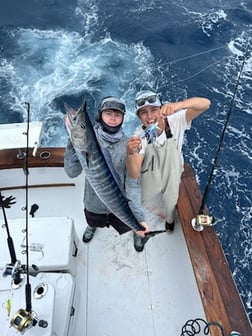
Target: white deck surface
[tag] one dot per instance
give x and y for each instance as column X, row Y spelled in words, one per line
column 132, row 293
column 14, row 135
column 118, row 290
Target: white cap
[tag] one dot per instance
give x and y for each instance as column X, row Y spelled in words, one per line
column 142, row 99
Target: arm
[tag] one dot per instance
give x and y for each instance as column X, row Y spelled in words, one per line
column 194, row 106
column 134, row 159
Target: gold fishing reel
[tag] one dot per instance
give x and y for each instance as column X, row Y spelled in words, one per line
column 23, row 320
column 201, row 220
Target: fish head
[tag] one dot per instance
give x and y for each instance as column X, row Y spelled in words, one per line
column 75, row 122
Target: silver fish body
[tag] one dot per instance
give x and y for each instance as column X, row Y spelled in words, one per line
column 76, row 127
column 95, row 166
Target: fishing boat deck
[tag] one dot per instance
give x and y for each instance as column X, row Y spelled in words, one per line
column 122, row 292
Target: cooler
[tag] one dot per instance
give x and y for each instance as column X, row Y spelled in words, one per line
column 52, row 244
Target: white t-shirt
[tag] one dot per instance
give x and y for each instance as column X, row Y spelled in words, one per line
column 178, row 125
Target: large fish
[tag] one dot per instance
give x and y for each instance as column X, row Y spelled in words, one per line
column 95, row 166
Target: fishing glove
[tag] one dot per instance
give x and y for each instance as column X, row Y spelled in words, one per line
column 7, row 202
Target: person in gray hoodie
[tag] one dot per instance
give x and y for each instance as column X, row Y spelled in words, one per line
column 109, row 119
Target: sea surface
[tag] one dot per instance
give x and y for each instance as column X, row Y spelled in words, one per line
column 52, row 51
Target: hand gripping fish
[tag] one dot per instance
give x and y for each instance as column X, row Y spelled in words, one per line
column 95, row 166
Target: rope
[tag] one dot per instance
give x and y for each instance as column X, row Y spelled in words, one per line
column 223, row 131
column 198, row 325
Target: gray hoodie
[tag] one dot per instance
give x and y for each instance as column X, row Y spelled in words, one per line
column 129, row 187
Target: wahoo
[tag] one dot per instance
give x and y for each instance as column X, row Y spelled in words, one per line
column 95, row 166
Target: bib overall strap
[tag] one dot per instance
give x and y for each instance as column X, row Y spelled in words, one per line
column 167, row 129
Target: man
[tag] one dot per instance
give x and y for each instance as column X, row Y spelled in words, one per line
column 156, row 159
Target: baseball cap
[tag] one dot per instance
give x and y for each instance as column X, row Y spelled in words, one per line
column 147, row 98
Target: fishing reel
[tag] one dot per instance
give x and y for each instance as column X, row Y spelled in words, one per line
column 24, row 320
column 201, row 220
column 14, row 271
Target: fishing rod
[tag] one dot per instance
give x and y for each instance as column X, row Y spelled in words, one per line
column 14, row 268
column 202, row 219
column 5, row 202
column 150, row 234
column 26, row 318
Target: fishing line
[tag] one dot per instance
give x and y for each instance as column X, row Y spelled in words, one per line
column 194, row 55
column 195, row 74
column 206, row 192
column 202, row 70
column 158, row 86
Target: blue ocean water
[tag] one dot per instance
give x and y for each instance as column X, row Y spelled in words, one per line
column 53, row 51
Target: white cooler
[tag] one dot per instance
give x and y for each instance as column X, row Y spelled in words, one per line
column 52, row 297
column 52, row 243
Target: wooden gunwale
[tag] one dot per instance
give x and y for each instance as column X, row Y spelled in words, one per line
column 9, row 159
column 219, row 294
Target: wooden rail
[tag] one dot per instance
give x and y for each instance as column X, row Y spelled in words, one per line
column 49, row 157
column 218, row 291
column 46, row 185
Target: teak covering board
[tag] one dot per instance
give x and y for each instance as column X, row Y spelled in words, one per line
column 218, row 291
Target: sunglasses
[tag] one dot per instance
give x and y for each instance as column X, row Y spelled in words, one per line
column 150, row 99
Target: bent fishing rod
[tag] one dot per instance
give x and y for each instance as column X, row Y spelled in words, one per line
column 202, row 219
